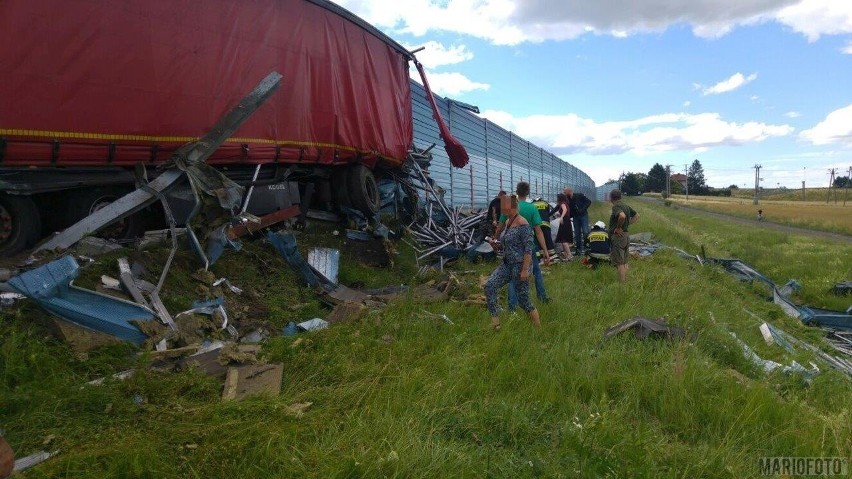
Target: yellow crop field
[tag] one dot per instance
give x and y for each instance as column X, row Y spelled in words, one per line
column 816, row 215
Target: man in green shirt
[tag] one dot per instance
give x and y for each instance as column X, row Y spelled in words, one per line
column 531, row 214
column 619, row 222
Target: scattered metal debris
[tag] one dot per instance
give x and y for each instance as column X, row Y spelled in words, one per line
column 840, row 364
column 51, row 287
column 120, row 376
column 809, row 315
column 285, row 244
column 313, row 324
column 443, row 317
column 325, row 261
column 448, row 232
column 93, row 246
column 843, row 288
column 33, row 459
column 644, row 328
column 357, row 235
column 228, row 285
column 256, row 336
column 8, row 299
column 769, row 366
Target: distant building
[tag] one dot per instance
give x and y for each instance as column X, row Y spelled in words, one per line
column 680, row 178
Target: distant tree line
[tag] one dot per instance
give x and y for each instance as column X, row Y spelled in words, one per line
column 655, row 181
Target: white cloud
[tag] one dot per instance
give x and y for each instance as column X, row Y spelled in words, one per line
column 570, row 134
column 511, row 22
column 792, row 114
column 687, row 104
column 437, row 54
column 814, row 18
column 835, row 129
column 451, row 84
column 736, row 80
column 847, row 49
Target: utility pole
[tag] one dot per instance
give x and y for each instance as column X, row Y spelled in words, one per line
column 757, row 183
column 686, row 172
column 846, row 187
column 804, row 179
column 831, row 186
column 668, row 181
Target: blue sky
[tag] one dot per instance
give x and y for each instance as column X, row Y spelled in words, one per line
column 618, row 85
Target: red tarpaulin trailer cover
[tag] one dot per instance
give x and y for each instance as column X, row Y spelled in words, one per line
column 140, row 73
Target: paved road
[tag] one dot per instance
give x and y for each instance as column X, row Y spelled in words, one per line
column 766, row 224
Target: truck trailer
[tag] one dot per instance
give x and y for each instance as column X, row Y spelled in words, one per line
column 94, row 90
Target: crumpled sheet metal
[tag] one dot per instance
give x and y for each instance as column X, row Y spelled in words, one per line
column 807, row 314
column 643, row 328
column 51, row 287
column 285, row 244
column 326, row 261
column 769, row 366
column 843, row 288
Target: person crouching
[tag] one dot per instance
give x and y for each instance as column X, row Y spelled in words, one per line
column 597, row 245
column 516, row 264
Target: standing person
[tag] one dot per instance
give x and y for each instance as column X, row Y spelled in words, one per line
column 619, row 221
column 530, row 214
column 544, row 212
column 516, row 265
column 579, row 204
column 494, row 209
column 759, row 215
column 565, row 234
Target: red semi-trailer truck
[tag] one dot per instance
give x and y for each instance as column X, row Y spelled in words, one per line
column 93, row 88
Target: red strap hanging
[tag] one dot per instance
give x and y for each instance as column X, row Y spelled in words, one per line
column 455, row 150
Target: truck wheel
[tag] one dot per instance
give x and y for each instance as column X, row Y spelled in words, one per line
column 85, row 202
column 363, row 190
column 20, row 224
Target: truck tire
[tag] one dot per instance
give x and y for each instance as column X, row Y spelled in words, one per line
column 363, row 190
column 20, row 224
column 84, row 202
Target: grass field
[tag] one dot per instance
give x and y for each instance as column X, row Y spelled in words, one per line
column 396, row 395
column 818, row 215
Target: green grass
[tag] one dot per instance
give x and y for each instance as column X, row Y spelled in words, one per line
column 395, row 395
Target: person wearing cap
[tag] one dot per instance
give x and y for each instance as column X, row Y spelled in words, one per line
column 619, row 221
column 597, row 245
